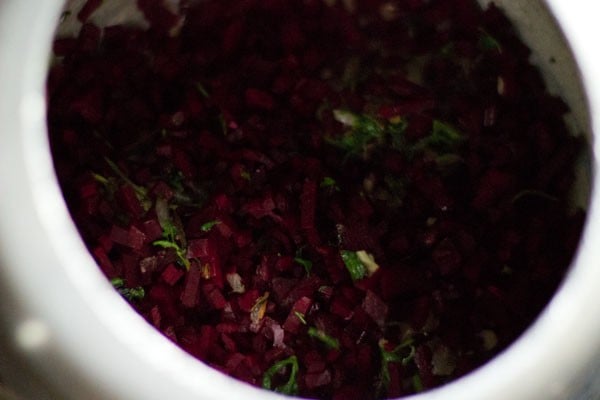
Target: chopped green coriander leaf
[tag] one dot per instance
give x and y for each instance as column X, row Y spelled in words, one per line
column 130, row 294
column 444, row 138
column 364, row 131
column 307, row 264
column 200, row 87
column 329, row 341
column 403, row 353
column 140, row 191
column 173, row 238
column 417, row 384
column 117, row 282
column 206, row 227
column 329, row 182
column 223, row 124
column 533, row 193
column 101, row 179
column 353, row 264
column 289, row 388
column 300, row 316
column 488, row 42
column 246, row 175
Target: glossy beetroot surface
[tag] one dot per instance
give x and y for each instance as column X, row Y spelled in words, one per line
column 336, row 201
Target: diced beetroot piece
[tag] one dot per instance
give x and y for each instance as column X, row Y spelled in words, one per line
column 88, row 189
column 301, row 307
column 491, row 187
column 152, row 230
column 201, row 248
column 340, row 307
column 447, row 257
column 208, row 338
column 305, row 288
column 281, row 287
column 183, row 163
column 223, row 203
column 64, row 46
column 189, row 296
column 259, row 99
column 169, row 332
column 89, row 38
column 413, row 106
column 308, row 204
column 136, row 238
column 376, row 308
column 228, row 327
column 129, row 201
column 159, row 17
column 171, row 274
column 422, row 359
column 130, row 265
column 284, row 263
column 88, row 9
column 261, row 207
column 147, row 267
column 119, row 235
column 155, row 316
column 314, row 362
column 214, row 296
column 161, row 189
column 317, row 379
column 105, row 242
column 229, row 344
column 247, row 300
column 89, row 105
column 232, row 36
column 104, row 262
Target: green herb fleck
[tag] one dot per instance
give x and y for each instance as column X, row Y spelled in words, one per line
column 487, row 42
column 301, row 317
column 444, row 138
column 172, row 238
column 206, row 227
column 533, row 193
column 403, row 353
column 131, row 294
column 353, row 264
column 364, row 132
column 140, row 191
column 329, row 182
column 307, row 264
column 291, row 386
column 200, row 87
column 245, row 175
column 417, row 384
column 324, row 338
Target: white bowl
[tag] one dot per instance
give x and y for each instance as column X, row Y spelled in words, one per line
column 66, row 334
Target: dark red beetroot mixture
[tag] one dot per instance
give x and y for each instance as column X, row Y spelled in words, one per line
column 327, row 203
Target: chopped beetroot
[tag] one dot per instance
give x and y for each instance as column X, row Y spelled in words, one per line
column 135, row 238
column 301, row 193
column 88, row 9
column 376, row 308
column 317, row 379
column 258, row 99
column 189, row 296
column 172, row 274
column 297, row 315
